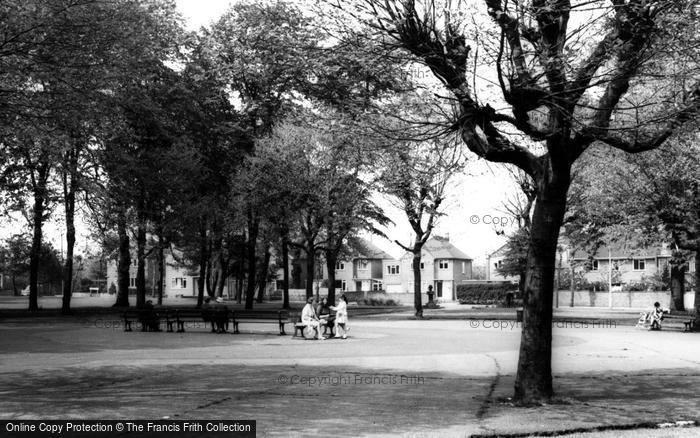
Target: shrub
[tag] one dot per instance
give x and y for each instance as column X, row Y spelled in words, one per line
column 112, row 289
column 379, row 301
column 637, row 286
column 483, row 293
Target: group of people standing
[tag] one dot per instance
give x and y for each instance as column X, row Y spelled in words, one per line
column 318, row 316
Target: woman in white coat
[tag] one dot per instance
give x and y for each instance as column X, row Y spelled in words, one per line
column 341, row 316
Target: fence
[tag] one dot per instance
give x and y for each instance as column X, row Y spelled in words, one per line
column 620, row 299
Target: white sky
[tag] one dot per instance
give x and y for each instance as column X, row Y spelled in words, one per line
column 481, row 193
column 201, row 12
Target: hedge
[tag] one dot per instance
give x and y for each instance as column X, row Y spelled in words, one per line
column 484, row 293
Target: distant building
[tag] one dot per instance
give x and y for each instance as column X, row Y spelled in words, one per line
column 177, row 279
column 494, row 261
column 628, row 265
column 443, row 266
column 364, row 271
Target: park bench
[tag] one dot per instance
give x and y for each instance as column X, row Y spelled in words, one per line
column 140, row 316
column 183, row 316
column 260, row 316
column 689, row 325
column 688, row 321
column 299, row 326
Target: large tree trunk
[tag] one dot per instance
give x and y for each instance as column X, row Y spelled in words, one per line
column 241, row 274
column 160, row 260
column 572, row 271
column 310, row 267
column 697, row 289
column 417, row 298
column 253, row 224
column 331, row 260
column 207, row 282
column 296, row 269
column 262, row 275
column 677, row 286
column 141, row 262
column 35, row 252
column 533, row 381
column 68, row 265
column 285, row 270
column 69, row 188
column 203, row 256
column 223, row 272
column 39, row 179
column 123, row 273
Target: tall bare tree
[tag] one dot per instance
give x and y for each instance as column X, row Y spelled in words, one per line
column 415, row 178
column 567, row 74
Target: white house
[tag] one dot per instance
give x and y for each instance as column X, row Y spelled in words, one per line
column 443, row 266
column 178, row 280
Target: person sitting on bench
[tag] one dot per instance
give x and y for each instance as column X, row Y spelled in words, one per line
column 323, row 311
column 656, row 316
column 310, row 319
column 208, row 314
column 150, row 320
column 220, row 315
column 652, row 319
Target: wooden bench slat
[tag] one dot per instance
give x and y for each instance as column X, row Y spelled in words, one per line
column 178, row 317
column 260, row 316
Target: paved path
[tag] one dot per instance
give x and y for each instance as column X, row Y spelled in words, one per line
column 397, row 378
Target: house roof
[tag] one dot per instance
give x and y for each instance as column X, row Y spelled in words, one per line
column 367, row 250
column 500, row 251
column 623, row 253
column 441, row 248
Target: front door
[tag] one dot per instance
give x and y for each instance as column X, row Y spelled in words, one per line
column 358, row 285
column 439, row 289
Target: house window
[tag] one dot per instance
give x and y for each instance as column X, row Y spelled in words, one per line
column 179, row 283
column 639, row 265
column 343, row 286
column 132, row 281
column 464, row 268
column 340, row 266
column 443, row 264
column 422, row 266
column 498, row 264
column 362, row 265
column 376, row 286
column 594, row 265
column 392, row 269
